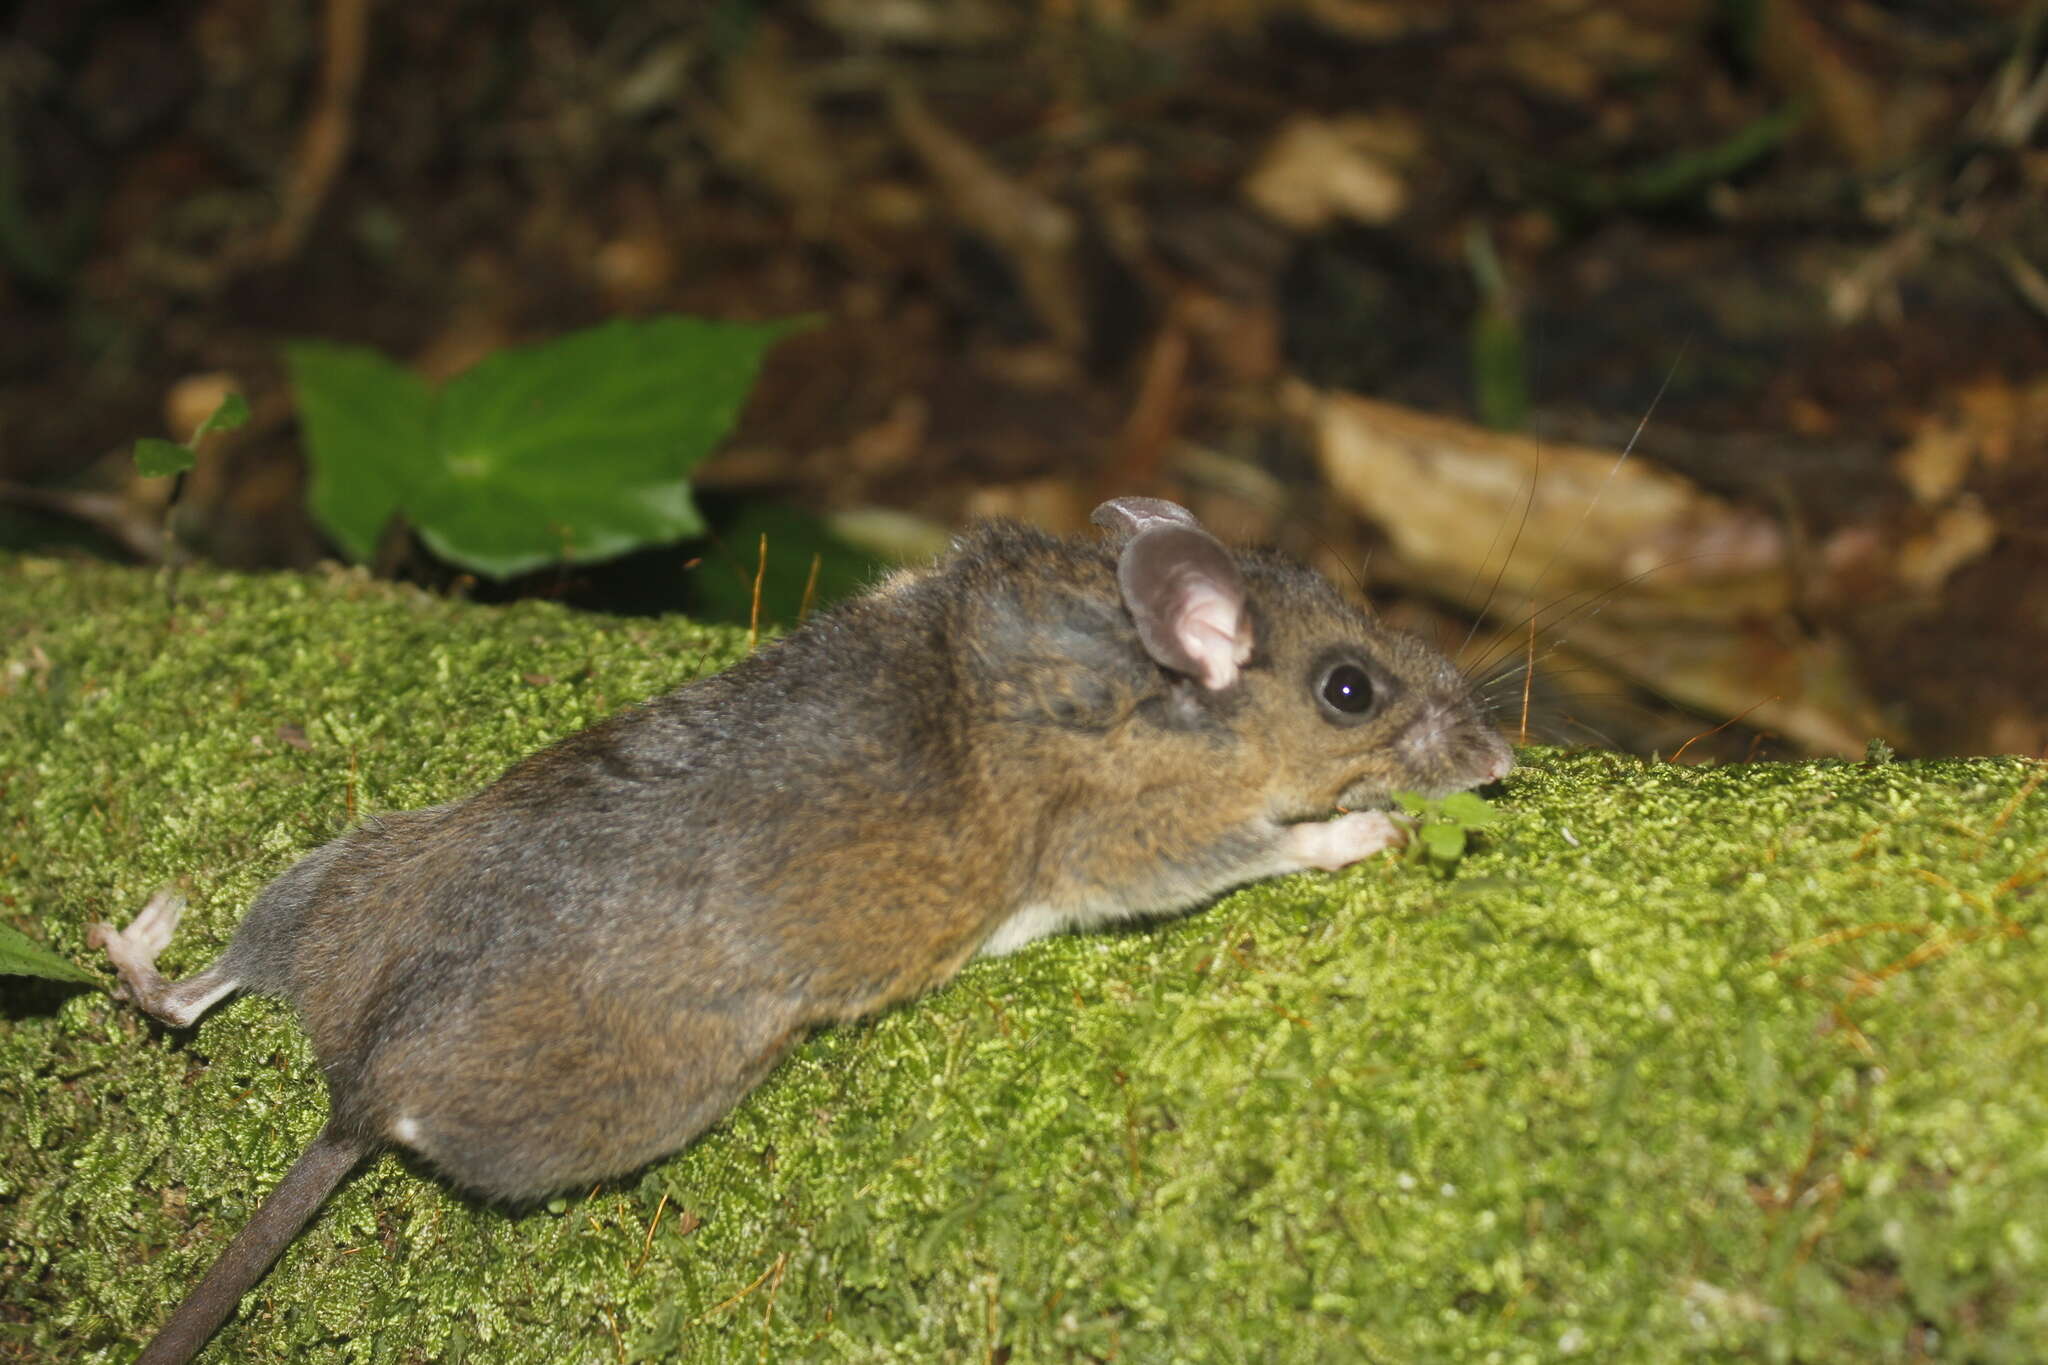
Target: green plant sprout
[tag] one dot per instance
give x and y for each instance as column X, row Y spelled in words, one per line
column 155, row 457
column 1442, row 827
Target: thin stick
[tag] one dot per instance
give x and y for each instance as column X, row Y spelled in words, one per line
column 1528, row 681
column 1855, row 931
column 2033, row 785
column 760, row 572
column 648, row 1245
column 759, row 1280
column 1704, row 734
column 768, row 1312
column 330, row 129
column 810, row 586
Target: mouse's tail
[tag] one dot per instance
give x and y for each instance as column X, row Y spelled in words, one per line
column 322, row 1166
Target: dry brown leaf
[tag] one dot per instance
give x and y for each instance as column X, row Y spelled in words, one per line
column 1369, row 21
column 1668, row 585
column 1936, row 461
column 1317, row 171
column 1988, row 422
column 1805, row 61
column 893, row 443
column 1959, row 534
column 1451, row 495
column 926, row 23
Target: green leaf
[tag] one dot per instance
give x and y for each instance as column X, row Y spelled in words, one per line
column 579, row 449
column 1681, row 175
column 1689, row 172
column 1469, row 809
column 231, row 412
column 21, row 955
column 1500, row 372
column 1446, row 843
column 369, row 437
column 1414, row 803
column 155, row 458
column 587, row 441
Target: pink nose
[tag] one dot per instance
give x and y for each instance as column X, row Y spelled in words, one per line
column 1501, row 766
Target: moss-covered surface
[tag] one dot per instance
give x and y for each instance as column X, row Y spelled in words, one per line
column 1747, row 1063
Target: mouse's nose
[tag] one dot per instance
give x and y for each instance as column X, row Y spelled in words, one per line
column 1499, row 762
column 1500, row 766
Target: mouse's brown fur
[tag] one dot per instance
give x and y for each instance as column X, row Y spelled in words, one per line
column 580, row 968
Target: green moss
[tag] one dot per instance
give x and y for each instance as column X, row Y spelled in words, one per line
column 1742, row 1064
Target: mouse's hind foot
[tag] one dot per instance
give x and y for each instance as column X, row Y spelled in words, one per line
column 133, row 953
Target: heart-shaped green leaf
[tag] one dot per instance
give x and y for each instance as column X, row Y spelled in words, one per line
column 369, row 435
column 579, row 449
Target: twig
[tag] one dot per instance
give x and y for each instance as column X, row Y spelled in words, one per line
column 104, row 512
column 1528, row 681
column 648, row 1245
column 1719, row 728
column 329, row 130
column 810, row 586
column 759, row 1280
column 754, row 618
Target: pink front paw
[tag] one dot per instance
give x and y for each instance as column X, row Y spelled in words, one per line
column 1331, row 844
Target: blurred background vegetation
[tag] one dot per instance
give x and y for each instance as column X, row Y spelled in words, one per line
column 1386, row 282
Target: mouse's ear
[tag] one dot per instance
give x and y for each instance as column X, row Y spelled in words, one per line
column 1125, row 517
column 1181, row 588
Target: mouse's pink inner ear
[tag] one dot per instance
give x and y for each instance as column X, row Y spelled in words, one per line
column 1185, row 595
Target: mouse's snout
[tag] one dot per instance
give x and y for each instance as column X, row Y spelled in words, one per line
column 1454, row 747
column 1499, row 759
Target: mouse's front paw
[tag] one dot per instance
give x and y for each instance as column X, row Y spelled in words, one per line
column 1331, row 844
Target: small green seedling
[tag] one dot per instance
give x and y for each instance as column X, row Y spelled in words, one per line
column 1442, row 827
column 155, row 457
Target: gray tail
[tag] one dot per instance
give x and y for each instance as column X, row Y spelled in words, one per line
column 322, row 1166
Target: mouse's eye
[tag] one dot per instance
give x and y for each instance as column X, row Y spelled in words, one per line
column 1347, row 690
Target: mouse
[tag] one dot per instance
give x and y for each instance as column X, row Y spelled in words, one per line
column 580, row 968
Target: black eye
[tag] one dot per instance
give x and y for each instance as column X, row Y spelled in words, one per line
column 1348, row 689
